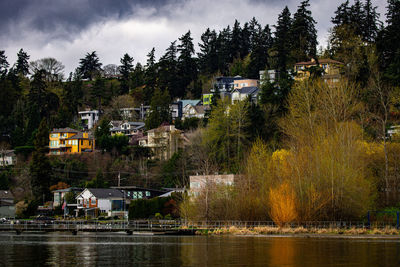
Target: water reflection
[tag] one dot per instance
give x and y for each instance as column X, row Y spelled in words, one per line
column 62, row 249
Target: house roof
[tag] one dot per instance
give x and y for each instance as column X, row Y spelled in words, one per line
column 6, row 194
column 79, row 135
column 64, row 130
column 9, row 153
column 320, row 61
column 199, row 109
column 115, row 123
column 190, row 102
column 249, row 90
column 69, row 189
column 106, row 192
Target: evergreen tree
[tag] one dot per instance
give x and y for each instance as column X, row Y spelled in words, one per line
column 245, row 40
column 235, row 40
column 125, row 70
column 89, row 66
column 281, row 44
column 259, row 55
column 150, row 77
column 98, row 92
column 389, row 51
column 159, row 110
column 187, row 66
column 3, row 64
column 208, row 58
column 168, row 71
column 40, row 168
column 223, row 51
column 371, row 24
column 22, row 65
column 303, row 34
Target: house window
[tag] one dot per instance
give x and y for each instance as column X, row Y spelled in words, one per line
column 93, row 201
column 147, row 193
column 140, row 194
column 135, row 195
column 54, row 135
column 64, row 135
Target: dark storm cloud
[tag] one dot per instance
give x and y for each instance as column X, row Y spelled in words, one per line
column 69, row 16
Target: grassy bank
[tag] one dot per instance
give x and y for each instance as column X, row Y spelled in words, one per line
column 266, row 230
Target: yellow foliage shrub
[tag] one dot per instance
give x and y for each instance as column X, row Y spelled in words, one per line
column 282, row 204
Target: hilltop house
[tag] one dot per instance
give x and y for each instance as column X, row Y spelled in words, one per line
column 239, row 84
column 89, row 118
column 164, row 141
column 94, row 201
column 191, row 111
column 245, row 93
column 68, row 141
column 330, row 69
column 128, row 128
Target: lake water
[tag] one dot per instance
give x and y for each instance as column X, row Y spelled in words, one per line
column 90, row 249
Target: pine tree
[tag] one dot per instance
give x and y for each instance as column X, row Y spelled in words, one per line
column 22, row 65
column 259, row 55
column 89, row 66
column 3, row 64
column 224, row 56
column 168, row 71
column 125, row 70
column 236, row 40
column 159, row 109
column 150, row 76
column 186, row 63
column 371, row 24
column 208, row 58
column 40, row 168
column 303, row 34
column 282, row 40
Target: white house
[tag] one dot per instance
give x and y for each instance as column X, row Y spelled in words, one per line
column 89, row 118
column 199, row 182
column 190, row 111
column 7, row 158
column 101, row 200
column 245, row 93
column 128, row 128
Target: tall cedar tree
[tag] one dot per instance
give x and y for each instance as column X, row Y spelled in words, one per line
column 224, row 56
column 259, row 54
column 388, row 44
column 150, row 77
column 125, row 70
column 89, row 66
column 281, row 44
column 22, row 65
column 168, row 72
column 3, row 64
column 40, row 168
column 187, row 65
column 303, row 34
column 208, row 57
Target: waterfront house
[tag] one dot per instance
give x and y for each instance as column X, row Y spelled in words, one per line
column 68, row 141
column 134, row 192
column 7, row 207
column 96, row 201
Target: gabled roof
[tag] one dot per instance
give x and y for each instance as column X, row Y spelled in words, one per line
column 247, row 90
column 6, row 194
column 320, row 61
column 105, row 192
column 79, row 135
column 190, row 102
column 64, row 130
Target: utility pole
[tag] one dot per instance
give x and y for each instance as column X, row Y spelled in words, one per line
column 119, row 179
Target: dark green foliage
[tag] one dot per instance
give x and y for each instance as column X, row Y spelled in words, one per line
column 259, row 55
column 40, row 168
column 159, row 110
column 208, row 57
column 125, row 70
column 187, row 124
column 4, row 180
column 281, row 44
column 104, row 141
column 187, row 66
column 97, row 182
column 22, row 64
column 147, row 208
column 3, row 63
column 170, row 175
column 168, row 71
column 303, row 34
column 150, row 76
column 70, row 170
column 89, row 66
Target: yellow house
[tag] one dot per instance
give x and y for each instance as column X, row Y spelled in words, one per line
column 67, row 141
column 331, row 69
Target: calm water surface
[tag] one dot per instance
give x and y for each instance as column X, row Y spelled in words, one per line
column 63, row 249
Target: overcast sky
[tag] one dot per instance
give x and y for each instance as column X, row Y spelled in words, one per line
column 68, row 29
